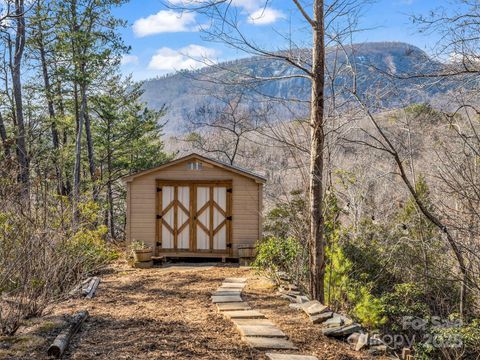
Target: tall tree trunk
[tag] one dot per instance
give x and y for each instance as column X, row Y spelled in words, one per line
column 111, row 222
column 61, row 112
column 51, row 112
column 79, row 114
column 88, row 133
column 78, row 151
column 11, row 100
column 3, row 137
column 17, row 95
column 316, row 239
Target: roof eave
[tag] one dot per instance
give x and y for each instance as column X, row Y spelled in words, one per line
column 255, row 177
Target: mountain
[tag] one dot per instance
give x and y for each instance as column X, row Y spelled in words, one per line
column 183, row 92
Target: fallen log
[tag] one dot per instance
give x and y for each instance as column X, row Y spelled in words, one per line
column 93, row 288
column 88, row 289
column 79, row 286
column 61, row 342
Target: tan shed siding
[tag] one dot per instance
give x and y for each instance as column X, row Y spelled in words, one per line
column 245, row 207
column 260, row 211
column 128, row 225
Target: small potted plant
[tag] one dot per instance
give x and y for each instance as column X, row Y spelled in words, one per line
column 141, row 252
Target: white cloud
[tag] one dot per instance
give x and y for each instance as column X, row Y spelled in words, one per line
column 189, row 57
column 258, row 13
column 249, row 5
column 245, row 4
column 164, row 21
column 185, row 3
column 129, row 59
column 265, row 16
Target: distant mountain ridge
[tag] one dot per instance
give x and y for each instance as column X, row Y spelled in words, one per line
column 183, row 92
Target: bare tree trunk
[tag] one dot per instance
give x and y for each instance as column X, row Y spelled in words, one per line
column 438, row 223
column 51, row 112
column 316, row 239
column 3, row 137
column 17, row 95
column 111, row 220
column 78, row 155
column 88, row 133
column 430, row 215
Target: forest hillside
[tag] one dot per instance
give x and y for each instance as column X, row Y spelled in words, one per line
column 369, row 150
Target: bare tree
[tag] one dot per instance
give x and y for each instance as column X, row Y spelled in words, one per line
column 39, row 34
column 22, row 152
column 222, row 125
column 383, row 140
column 316, row 16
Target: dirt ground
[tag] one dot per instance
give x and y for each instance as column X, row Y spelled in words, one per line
column 166, row 313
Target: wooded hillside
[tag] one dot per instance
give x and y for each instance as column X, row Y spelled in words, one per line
column 371, row 153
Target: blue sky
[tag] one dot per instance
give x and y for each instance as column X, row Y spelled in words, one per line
column 164, row 40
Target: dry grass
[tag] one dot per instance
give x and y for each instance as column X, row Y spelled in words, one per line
column 166, row 313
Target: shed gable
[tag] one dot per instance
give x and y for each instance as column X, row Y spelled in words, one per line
column 196, row 163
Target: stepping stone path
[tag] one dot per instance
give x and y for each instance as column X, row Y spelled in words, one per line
column 331, row 324
column 244, row 314
column 256, row 330
column 275, row 356
column 233, row 306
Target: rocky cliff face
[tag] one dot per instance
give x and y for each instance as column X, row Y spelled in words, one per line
column 183, row 92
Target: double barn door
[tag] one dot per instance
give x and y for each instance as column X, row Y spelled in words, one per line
column 194, row 216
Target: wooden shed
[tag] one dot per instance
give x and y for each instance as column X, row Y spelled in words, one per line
column 195, row 206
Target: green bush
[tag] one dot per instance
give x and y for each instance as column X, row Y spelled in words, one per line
column 405, row 300
column 368, row 309
column 343, row 291
column 450, row 342
column 90, row 247
column 289, row 218
column 278, row 254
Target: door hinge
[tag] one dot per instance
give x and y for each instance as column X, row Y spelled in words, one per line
column 159, row 217
column 229, row 190
column 159, row 189
column 229, row 218
column 159, row 243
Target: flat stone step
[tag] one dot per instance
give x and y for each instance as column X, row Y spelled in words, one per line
column 342, row 331
column 314, row 307
column 261, row 330
column 302, row 299
column 336, row 321
column 232, row 285
column 292, row 299
column 235, row 280
column 229, row 289
column 233, row 306
column 244, row 314
column 296, row 306
column 226, row 299
column 277, row 356
column 320, row 318
column 253, row 322
column 269, row 343
column 227, row 293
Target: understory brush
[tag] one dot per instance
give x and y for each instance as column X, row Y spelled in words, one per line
column 380, row 273
column 44, row 252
